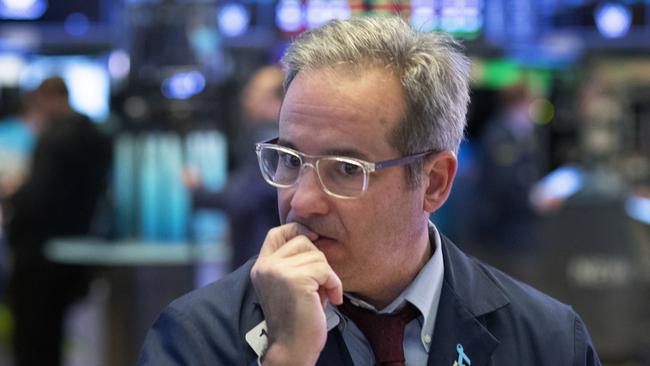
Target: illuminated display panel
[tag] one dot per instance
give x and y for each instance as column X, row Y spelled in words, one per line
column 50, row 10
column 625, row 22
column 463, row 18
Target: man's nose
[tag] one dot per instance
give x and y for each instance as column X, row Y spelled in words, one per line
column 308, row 198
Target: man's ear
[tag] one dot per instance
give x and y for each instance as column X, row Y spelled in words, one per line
column 439, row 172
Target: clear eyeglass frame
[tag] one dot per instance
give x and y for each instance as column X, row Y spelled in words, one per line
column 314, row 161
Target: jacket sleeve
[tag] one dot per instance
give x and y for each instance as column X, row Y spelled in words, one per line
column 585, row 354
column 241, row 195
column 172, row 340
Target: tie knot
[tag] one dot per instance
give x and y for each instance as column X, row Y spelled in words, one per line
column 384, row 332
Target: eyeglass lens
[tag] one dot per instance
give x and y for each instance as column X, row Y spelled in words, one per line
column 338, row 175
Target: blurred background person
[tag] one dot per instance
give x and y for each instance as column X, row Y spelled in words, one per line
column 68, row 174
column 509, row 166
column 250, row 203
column 16, row 139
column 16, row 144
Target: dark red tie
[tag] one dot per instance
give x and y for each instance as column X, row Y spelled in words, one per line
column 384, row 332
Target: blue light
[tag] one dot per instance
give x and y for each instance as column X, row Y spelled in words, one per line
column 564, row 182
column 204, row 40
column 423, row 15
column 638, row 208
column 320, row 12
column 560, row 184
column 340, row 9
column 11, row 66
column 461, row 16
column 613, row 20
column 119, row 64
column 89, row 88
column 183, row 85
column 76, row 24
column 22, row 9
column 317, row 13
column 288, row 15
column 233, row 19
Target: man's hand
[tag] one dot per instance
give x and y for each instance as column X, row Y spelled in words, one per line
column 294, row 283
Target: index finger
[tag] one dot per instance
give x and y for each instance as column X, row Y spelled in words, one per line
column 278, row 236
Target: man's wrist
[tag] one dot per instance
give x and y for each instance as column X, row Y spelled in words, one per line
column 279, row 355
column 275, row 354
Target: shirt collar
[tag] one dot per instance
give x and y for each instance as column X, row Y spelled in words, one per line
column 424, row 293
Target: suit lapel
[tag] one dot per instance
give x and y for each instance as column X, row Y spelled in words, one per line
column 455, row 326
column 251, row 316
column 335, row 352
column 467, row 293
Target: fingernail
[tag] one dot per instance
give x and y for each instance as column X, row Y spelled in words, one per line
column 311, row 235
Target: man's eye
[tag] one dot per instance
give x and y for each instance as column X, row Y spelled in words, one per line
column 349, row 169
column 289, row 160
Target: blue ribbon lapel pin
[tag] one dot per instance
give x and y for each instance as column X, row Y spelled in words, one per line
column 463, row 359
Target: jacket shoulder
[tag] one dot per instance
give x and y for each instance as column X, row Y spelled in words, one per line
column 543, row 329
column 220, row 295
column 208, row 323
column 524, row 298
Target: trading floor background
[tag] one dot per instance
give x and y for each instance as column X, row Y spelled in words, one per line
column 553, row 184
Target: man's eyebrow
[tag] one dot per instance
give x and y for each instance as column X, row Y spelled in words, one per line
column 350, row 153
column 286, row 143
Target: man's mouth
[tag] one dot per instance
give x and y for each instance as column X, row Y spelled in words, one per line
column 323, row 241
column 322, row 237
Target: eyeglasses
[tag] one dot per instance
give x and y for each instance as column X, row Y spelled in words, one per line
column 339, row 176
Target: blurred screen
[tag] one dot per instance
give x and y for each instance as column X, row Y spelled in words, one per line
column 11, row 64
column 463, row 18
column 51, row 10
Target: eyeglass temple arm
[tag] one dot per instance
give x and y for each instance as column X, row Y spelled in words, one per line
column 403, row 160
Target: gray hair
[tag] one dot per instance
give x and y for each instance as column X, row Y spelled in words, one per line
column 430, row 67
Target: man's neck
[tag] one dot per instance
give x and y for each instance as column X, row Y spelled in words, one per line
column 390, row 291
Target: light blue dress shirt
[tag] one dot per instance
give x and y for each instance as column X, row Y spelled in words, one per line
column 423, row 293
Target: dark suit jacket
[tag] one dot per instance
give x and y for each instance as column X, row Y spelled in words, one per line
column 498, row 320
column 68, row 175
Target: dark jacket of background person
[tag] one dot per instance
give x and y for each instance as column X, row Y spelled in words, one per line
column 498, row 320
column 509, row 167
column 249, row 202
column 67, row 176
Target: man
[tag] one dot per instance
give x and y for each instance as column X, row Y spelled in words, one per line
column 509, row 164
column 249, row 202
column 16, row 143
column 361, row 91
column 67, row 176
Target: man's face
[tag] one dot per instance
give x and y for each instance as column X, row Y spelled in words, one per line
column 370, row 241
column 260, row 99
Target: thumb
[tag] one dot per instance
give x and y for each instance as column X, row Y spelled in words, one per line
column 278, row 236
